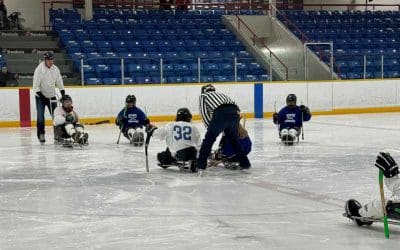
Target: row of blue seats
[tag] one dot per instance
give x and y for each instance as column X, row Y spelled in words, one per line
column 60, row 26
column 131, row 31
column 151, row 43
column 170, row 36
column 369, row 75
column 179, row 67
column 104, row 71
column 88, row 46
column 146, row 23
column 346, row 35
column 338, row 13
column 175, row 79
column 168, row 52
column 174, row 57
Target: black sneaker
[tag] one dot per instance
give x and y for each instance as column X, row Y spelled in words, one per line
column 352, row 207
column 42, row 138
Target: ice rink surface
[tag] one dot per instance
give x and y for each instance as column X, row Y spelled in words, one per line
column 101, row 197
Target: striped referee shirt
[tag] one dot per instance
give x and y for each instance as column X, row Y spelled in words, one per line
column 210, row 101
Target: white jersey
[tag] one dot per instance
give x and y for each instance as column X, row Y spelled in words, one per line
column 179, row 135
column 60, row 114
column 46, row 79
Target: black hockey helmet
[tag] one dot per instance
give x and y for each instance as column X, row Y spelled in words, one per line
column 291, row 98
column 207, row 88
column 49, row 55
column 183, row 114
column 65, row 98
column 131, row 99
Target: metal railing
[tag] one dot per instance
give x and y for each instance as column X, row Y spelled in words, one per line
column 161, row 69
column 256, row 39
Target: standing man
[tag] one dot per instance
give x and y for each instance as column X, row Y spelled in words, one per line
column 46, row 77
column 219, row 114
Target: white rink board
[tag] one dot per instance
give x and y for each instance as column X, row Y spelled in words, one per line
column 162, row 100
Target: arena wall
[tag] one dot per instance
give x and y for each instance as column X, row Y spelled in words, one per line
column 102, row 103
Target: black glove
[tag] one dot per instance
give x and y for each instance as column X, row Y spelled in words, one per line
column 42, row 97
column 150, row 129
column 386, row 163
column 275, row 118
column 120, row 120
column 304, row 109
column 70, row 118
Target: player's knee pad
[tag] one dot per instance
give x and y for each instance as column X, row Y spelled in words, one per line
column 79, row 128
column 138, row 138
column 70, row 129
column 393, row 210
column 284, row 131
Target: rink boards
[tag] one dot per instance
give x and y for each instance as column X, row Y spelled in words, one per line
column 100, row 103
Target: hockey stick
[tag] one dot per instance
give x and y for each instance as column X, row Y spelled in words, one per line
column 385, row 219
column 146, row 146
column 121, row 128
column 97, row 123
column 302, row 124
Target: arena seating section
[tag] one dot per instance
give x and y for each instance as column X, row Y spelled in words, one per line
column 143, row 37
column 354, row 34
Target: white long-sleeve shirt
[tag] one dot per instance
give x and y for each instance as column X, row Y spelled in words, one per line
column 60, row 114
column 179, row 135
column 46, row 79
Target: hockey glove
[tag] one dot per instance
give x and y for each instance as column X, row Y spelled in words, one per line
column 150, row 129
column 386, row 163
column 304, row 109
column 42, row 97
column 275, row 117
column 70, row 118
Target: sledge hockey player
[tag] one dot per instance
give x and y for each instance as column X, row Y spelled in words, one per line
column 182, row 138
column 373, row 209
column 131, row 121
column 290, row 119
column 66, row 124
column 225, row 152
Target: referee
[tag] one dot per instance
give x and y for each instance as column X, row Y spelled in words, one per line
column 46, row 77
column 219, row 114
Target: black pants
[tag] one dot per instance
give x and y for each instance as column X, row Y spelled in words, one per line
column 225, row 119
column 40, row 109
column 187, row 154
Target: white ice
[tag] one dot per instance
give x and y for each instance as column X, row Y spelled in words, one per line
column 102, row 198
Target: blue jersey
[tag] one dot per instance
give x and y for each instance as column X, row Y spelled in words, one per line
column 290, row 117
column 134, row 118
column 228, row 151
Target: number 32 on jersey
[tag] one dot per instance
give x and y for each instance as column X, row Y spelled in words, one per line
column 183, row 133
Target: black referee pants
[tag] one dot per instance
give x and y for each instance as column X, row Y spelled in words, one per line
column 225, row 119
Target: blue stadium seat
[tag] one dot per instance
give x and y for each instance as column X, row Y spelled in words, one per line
column 135, row 70
column 129, row 80
column 111, row 81
column 205, row 78
column 224, row 78
column 93, row 81
column 174, row 79
column 190, row 79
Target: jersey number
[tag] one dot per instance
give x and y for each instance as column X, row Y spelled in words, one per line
column 184, row 133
